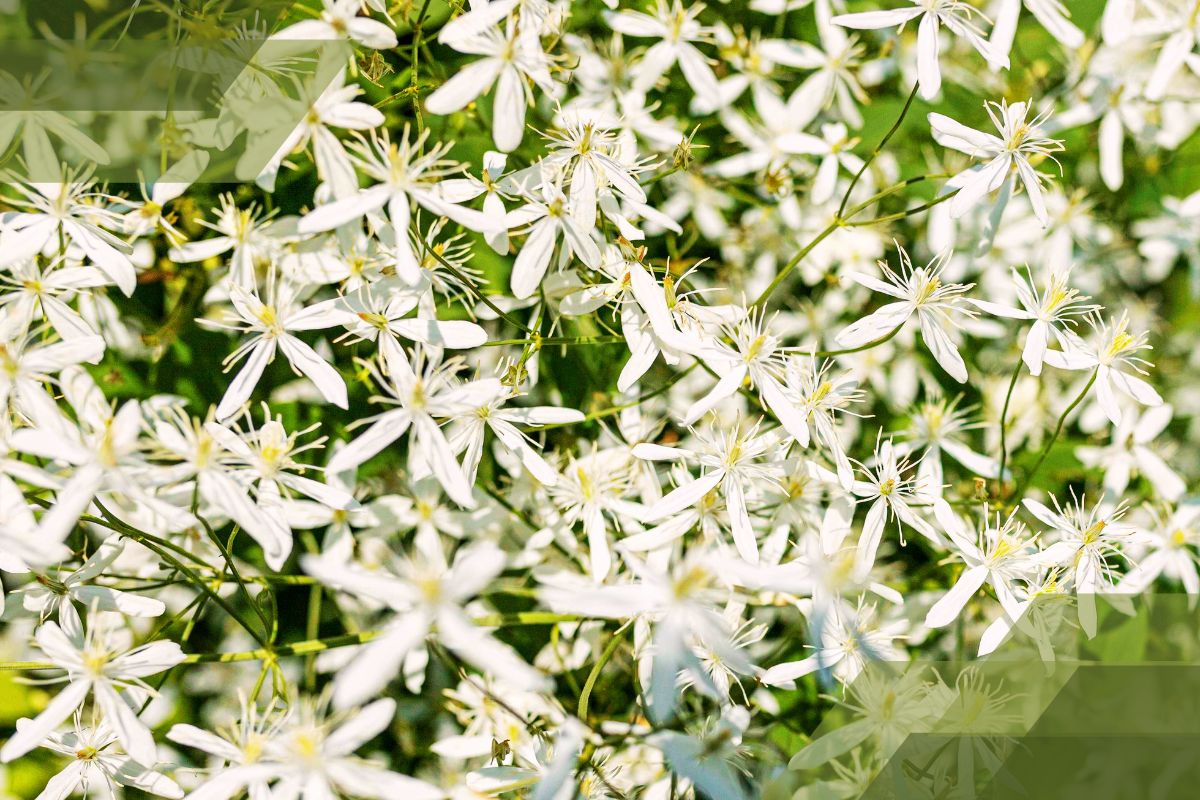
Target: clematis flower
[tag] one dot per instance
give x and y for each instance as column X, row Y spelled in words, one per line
column 340, row 19
column 407, row 174
column 1052, row 310
column 736, row 462
column 1112, row 349
column 96, row 760
column 68, row 208
column 679, row 31
column 889, row 493
column 997, row 553
column 421, row 392
column 94, row 667
column 426, row 597
column 1010, row 156
column 1087, row 545
column 550, row 219
column 101, row 451
column 954, row 14
column 1052, row 15
column 311, row 757
column 939, row 307
column 270, row 324
column 1131, row 452
column 509, row 60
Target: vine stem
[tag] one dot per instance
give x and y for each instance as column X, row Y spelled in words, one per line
column 1012, row 385
column 310, row 646
column 878, row 149
column 847, row 351
column 586, row 695
column 1062, row 420
column 842, row 218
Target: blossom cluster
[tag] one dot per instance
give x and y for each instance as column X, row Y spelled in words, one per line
column 580, row 387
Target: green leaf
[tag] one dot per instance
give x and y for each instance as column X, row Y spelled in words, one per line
column 832, row 745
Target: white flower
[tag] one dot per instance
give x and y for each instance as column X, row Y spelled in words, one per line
column 35, row 291
column 380, row 314
column 421, row 392
column 96, row 761
column 1089, row 543
column 94, row 667
column 677, row 27
column 835, row 60
column 756, row 354
column 60, row 592
column 312, row 757
column 250, row 234
column 889, row 493
column 22, row 546
column 469, row 427
column 590, row 489
column 460, row 190
column 588, row 151
column 270, row 324
column 1052, row 14
column 735, row 460
column 1052, row 310
column 1180, row 22
column 938, row 426
column 426, row 597
column 822, row 396
column 334, row 108
column 679, row 601
column 647, row 311
column 1132, row 450
column 550, row 218
column 954, row 14
column 340, row 19
column 405, row 174
column 243, row 742
column 509, row 58
column 1173, row 234
column 72, row 210
column 848, row 641
column 1113, row 348
column 101, row 449
column 921, row 291
column 998, row 553
column 1171, row 543
column 203, row 465
column 27, row 364
column 1021, row 139
column 265, row 458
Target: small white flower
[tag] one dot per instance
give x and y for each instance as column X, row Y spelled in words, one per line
column 1113, row 348
column 938, row 306
column 679, row 31
column 94, row 667
column 95, row 760
column 1052, row 310
column 954, row 14
column 270, row 324
column 1009, row 155
column 426, row 596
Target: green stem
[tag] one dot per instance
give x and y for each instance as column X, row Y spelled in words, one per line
column 594, row 675
column 1012, row 385
column 847, row 351
column 309, row 646
column 543, row 341
column 878, row 149
column 902, row 214
column 1062, row 420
